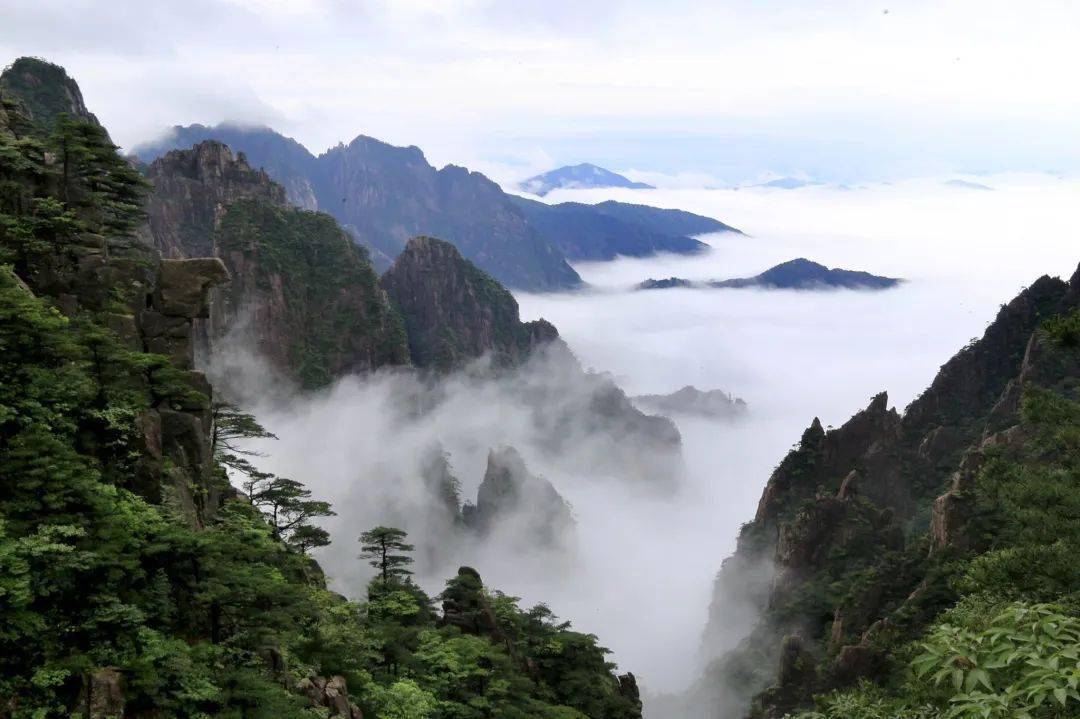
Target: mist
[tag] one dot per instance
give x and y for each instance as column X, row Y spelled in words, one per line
column 638, row 569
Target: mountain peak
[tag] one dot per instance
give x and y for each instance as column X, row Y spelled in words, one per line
column 581, row 176
column 45, row 91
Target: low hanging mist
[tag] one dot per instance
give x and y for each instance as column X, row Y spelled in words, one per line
column 650, row 532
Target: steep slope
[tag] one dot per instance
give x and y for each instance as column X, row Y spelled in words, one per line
column 383, row 195
column 583, row 176
column 303, row 294
column 854, row 548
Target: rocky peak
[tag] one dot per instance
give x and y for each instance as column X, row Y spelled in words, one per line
column 454, row 312
column 193, row 188
column 44, row 91
column 514, row 499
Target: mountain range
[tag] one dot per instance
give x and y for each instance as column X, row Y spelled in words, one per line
column 577, row 177
column 383, row 195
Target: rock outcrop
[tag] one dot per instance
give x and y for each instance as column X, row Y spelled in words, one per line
column 331, row 694
column 511, row 500
column 455, row 312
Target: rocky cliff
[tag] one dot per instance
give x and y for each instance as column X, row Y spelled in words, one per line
column 303, row 295
column 454, row 312
column 846, row 552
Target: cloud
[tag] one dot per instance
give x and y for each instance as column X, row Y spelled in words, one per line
column 839, row 89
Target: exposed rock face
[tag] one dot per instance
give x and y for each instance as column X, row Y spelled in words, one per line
column 454, row 312
column 332, row 694
column 302, row 293
column 511, row 499
column 102, row 695
column 192, row 190
column 691, row 400
column 383, row 195
column 44, row 91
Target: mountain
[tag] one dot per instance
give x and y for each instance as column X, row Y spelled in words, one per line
column 666, row 284
column 454, row 312
column 44, row 92
column 573, row 177
column 802, row 274
column 788, row 183
column 968, row 185
column 383, row 195
column 516, row 502
column 137, row 582
column 303, row 295
column 612, row 229
column 884, row 548
column 691, row 400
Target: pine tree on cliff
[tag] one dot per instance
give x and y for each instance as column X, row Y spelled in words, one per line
column 386, row 550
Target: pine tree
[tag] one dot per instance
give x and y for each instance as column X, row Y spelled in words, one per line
column 386, row 550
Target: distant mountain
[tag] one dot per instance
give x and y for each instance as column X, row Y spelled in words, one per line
column 799, row 274
column 802, row 274
column 581, row 176
column 788, row 183
column 611, row 229
column 964, row 184
column 666, row 283
column 383, row 195
column 691, row 400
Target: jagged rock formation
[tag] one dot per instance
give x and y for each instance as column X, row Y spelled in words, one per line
column 303, row 294
column 44, row 92
column 455, row 312
column 383, row 195
column 193, row 189
column 691, row 400
column 837, row 552
column 575, row 177
column 802, row 274
column 514, row 500
column 611, row 229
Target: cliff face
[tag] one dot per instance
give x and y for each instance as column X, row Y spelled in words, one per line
column 303, row 294
column 845, row 541
column 453, row 311
column 192, row 191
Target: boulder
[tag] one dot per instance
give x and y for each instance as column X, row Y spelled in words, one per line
column 184, row 286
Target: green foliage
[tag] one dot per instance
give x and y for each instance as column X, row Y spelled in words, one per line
column 385, row 549
column 1024, row 662
column 329, row 291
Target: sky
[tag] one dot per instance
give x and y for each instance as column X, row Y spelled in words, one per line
column 835, row 90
